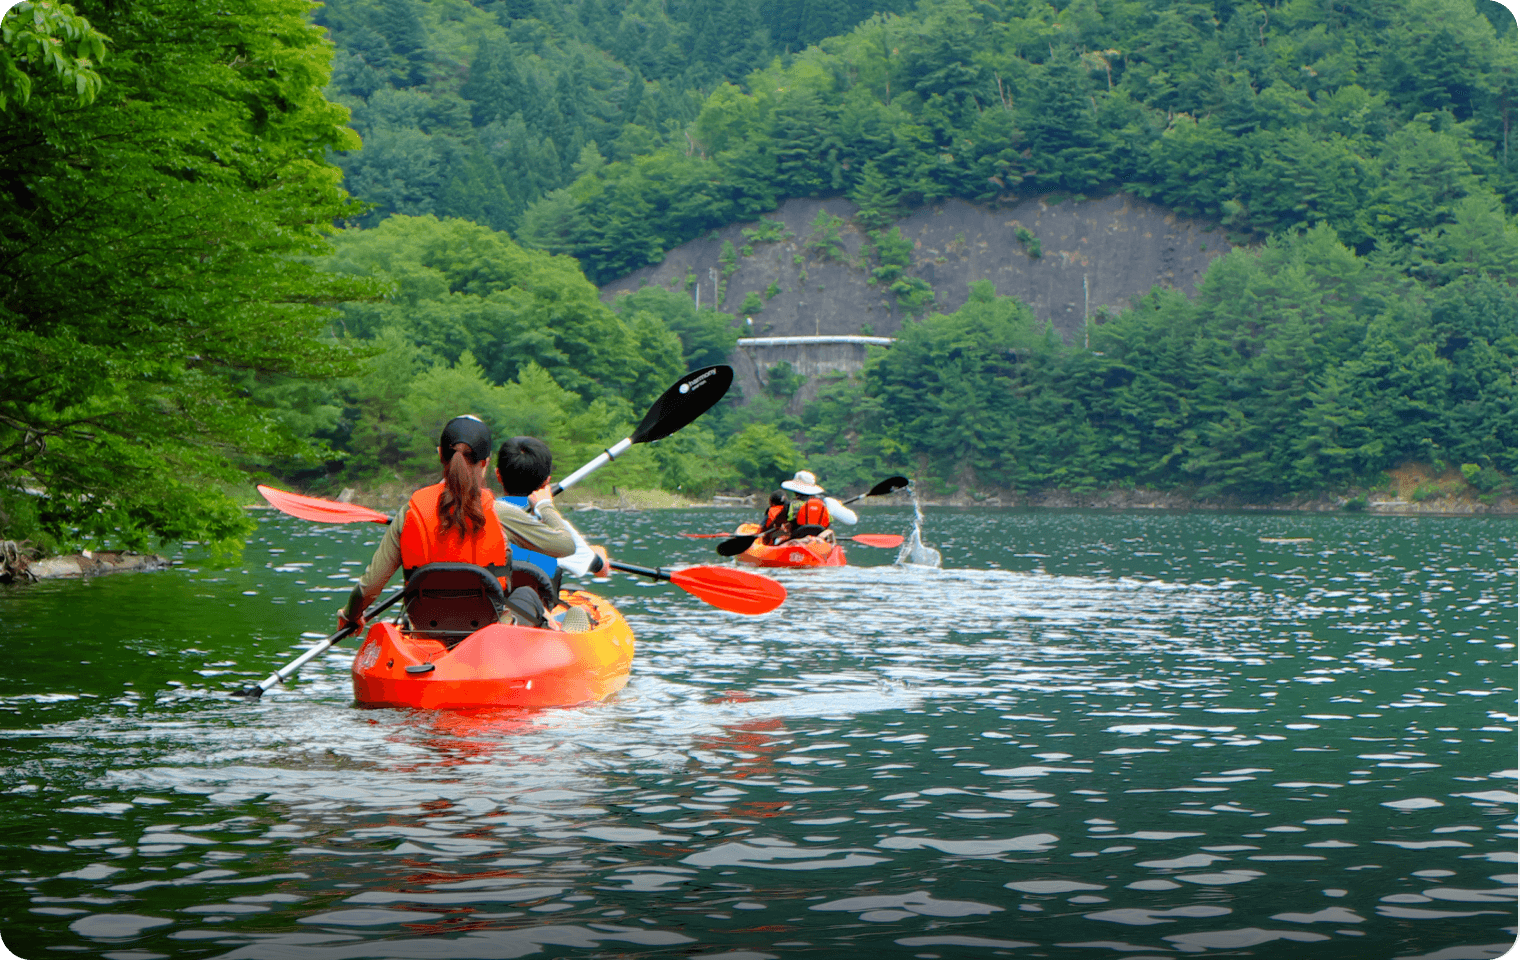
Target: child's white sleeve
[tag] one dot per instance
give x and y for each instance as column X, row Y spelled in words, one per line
column 583, row 559
column 839, row 511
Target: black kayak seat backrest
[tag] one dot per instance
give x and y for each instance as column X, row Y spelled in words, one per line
column 525, row 574
column 452, row 600
column 811, row 530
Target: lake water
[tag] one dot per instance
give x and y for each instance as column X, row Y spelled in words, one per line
column 1085, row 735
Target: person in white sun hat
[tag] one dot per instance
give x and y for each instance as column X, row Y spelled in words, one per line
column 811, row 508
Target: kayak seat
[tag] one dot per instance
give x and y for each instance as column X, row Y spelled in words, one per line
column 450, row 601
column 798, row 533
column 525, row 574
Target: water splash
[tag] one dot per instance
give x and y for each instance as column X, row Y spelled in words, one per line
column 913, row 550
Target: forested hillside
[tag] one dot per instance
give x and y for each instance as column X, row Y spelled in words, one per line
column 1392, row 123
column 478, row 110
column 178, row 315
column 1361, row 159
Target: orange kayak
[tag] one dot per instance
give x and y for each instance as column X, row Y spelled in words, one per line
column 802, row 552
column 498, row 665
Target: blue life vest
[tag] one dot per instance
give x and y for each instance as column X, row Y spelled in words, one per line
column 542, row 561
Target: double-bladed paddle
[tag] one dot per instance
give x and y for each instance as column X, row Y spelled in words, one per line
column 737, row 545
column 734, row 546
column 738, row 591
column 686, row 400
column 881, row 489
column 285, row 672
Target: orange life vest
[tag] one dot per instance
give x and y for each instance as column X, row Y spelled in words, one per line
column 774, row 516
column 812, row 513
column 422, row 542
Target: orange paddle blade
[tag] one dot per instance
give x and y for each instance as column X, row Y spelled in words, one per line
column 322, row 511
column 728, row 589
column 878, row 539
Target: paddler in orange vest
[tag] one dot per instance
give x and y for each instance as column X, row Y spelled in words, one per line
column 458, row 520
column 775, row 527
column 813, row 509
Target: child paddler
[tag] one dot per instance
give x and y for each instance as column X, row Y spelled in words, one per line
column 776, row 525
column 458, row 520
column 524, row 465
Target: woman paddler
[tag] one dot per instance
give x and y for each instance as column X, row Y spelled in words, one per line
column 812, row 509
column 458, row 520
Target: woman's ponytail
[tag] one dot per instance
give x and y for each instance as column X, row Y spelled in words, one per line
column 459, row 504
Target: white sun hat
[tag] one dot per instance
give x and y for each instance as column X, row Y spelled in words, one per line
column 804, row 483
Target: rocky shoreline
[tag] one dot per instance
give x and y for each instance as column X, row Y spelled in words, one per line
column 17, row 567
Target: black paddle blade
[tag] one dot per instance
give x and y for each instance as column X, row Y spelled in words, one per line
column 689, row 398
column 737, row 545
column 887, row 486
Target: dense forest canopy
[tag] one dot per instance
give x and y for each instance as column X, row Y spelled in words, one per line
column 1392, row 123
column 1374, row 142
column 478, row 110
column 165, row 169
column 180, row 311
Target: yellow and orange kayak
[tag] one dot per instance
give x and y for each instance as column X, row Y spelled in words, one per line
column 498, row 665
column 802, row 552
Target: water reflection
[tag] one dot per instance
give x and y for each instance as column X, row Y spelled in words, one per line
column 1128, row 736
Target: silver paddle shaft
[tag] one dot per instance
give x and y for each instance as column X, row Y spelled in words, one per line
column 601, row 460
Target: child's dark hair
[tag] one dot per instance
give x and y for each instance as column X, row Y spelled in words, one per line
column 778, row 498
column 523, row 463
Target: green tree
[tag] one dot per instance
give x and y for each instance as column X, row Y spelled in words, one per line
column 155, row 243
column 707, row 336
column 458, row 286
column 46, row 40
column 761, row 456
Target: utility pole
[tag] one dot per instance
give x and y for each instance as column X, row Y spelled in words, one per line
column 713, row 276
column 1086, row 327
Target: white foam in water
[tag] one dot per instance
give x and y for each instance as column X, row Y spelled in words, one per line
column 913, row 549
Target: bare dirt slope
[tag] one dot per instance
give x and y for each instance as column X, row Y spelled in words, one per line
column 1094, row 254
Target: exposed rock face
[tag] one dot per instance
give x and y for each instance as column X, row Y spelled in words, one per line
column 1094, row 254
column 752, row 366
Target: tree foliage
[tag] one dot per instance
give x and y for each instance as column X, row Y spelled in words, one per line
column 40, row 39
column 1298, row 368
column 1392, row 123
column 478, row 110
column 152, row 243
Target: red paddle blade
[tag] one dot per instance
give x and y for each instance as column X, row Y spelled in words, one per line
column 322, row 511
column 727, row 589
column 878, row 539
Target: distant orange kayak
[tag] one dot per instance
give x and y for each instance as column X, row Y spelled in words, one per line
column 802, row 552
column 498, row 665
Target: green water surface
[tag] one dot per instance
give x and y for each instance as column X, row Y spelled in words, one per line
column 1084, row 735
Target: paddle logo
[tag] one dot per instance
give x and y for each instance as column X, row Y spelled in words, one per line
column 697, row 381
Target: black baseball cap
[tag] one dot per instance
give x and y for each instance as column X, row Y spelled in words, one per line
column 468, row 429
